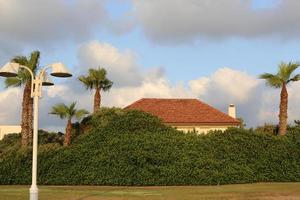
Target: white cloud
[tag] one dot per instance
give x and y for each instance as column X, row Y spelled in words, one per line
column 50, row 25
column 35, row 21
column 294, row 99
column 255, row 103
column 121, row 65
column 69, row 92
column 228, row 84
column 157, row 88
column 10, row 104
column 200, row 85
column 188, row 20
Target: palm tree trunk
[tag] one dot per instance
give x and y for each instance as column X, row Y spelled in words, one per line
column 67, row 140
column 97, row 100
column 283, row 110
column 26, row 133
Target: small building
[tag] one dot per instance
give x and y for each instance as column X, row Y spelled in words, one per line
column 188, row 114
column 4, row 130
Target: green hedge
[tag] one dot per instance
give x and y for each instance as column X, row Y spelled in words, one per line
column 134, row 148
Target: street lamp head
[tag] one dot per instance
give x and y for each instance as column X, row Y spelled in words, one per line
column 59, row 70
column 46, row 80
column 9, row 70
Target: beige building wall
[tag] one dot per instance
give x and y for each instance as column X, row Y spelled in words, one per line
column 202, row 129
column 4, row 130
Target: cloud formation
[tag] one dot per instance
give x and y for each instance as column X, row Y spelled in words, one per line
column 10, row 106
column 227, row 86
column 173, row 21
column 121, row 66
column 34, row 21
column 255, row 103
column 44, row 24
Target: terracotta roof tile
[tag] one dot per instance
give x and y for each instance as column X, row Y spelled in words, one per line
column 183, row 111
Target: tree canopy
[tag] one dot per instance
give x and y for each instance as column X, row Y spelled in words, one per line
column 284, row 75
column 96, row 78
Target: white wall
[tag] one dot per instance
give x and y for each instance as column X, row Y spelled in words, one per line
column 4, row 130
column 202, row 129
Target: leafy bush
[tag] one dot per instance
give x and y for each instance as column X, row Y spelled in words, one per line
column 135, row 148
column 48, row 137
column 9, row 143
column 268, row 128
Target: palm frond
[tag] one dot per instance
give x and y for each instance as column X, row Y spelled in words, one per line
column 60, row 110
column 64, row 111
column 272, row 80
column 13, row 82
column 96, row 78
column 286, row 69
column 81, row 113
column 86, row 81
column 266, row 76
column 295, row 78
column 292, row 67
column 106, row 85
column 72, row 106
column 72, row 110
column 22, row 60
column 23, row 75
column 22, row 78
column 33, row 61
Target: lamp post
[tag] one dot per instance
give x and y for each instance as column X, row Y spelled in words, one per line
column 41, row 79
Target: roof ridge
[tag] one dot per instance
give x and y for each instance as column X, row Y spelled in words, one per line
column 227, row 115
column 171, row 98
column 145, row 98
column 153, row 105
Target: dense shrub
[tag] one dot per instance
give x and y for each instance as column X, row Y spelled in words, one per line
column 9, row 143
column 50, row 137
column 268, row 128
column 135, row 148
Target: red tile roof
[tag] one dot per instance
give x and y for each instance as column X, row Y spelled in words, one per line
column 185, row 111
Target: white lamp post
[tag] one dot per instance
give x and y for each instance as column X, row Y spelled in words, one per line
column 41, row 79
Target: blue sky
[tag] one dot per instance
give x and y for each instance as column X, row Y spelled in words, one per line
column 173, row 48
column 187, row 61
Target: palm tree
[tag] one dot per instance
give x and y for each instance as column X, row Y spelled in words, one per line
column 280, row 80
column 68, row 112
column 97, row 80
column 24, row 79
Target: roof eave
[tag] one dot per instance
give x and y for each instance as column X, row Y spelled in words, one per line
column 204, row 123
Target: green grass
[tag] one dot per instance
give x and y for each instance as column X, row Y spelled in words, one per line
column 243, row 191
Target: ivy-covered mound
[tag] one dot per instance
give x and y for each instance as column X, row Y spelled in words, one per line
column 135, row 148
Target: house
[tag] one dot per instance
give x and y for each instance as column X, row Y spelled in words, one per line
column 188, row 114
column 4, row 130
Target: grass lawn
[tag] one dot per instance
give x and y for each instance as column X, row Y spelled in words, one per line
column 288, row 191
